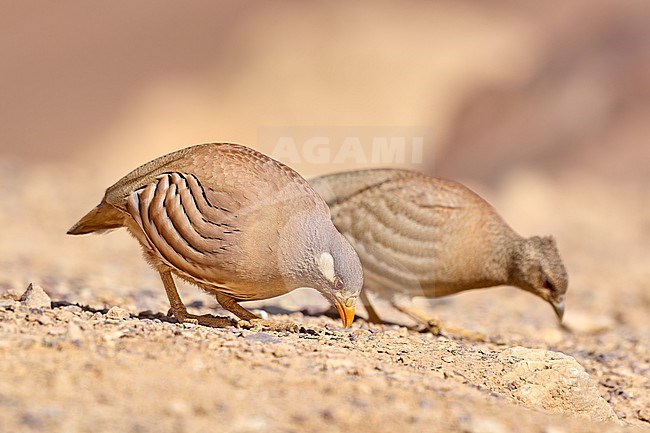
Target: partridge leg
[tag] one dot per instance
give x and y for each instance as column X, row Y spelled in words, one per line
column 431, row 325
column 180, row 312
column 373, row 317
column 231, row 305
column 434, row 326
column 250, row 320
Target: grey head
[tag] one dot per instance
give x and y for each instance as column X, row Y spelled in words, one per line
column 314, row 254
column 538, row 269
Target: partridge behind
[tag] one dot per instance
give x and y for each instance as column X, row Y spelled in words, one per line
column 234, row 222
column 418, row 235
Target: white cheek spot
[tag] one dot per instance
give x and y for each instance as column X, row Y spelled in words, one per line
column 326, row 266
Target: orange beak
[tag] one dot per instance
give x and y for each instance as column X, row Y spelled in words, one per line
column 346, row 311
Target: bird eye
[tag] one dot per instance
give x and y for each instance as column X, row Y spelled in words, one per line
column 338, row 285
column 547, row 284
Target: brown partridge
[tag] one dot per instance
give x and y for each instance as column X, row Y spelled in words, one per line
column 418, row 235
column 233, row 222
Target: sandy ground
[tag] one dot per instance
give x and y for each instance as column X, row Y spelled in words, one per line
column 105, row 358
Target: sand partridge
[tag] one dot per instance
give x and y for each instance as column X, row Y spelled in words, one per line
column 418, row 235
column 233, row 222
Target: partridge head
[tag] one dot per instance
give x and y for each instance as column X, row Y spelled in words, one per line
column 235, row 223
column 539, row 270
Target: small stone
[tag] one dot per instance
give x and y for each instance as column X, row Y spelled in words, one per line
column 359, row 333
column 58, row 330
column 44, row 320
column 263, row 314
column 553, row 381
column 112, row 336
column 281, row 352
column 117, row 313
column 35, row 297
column 263, row 337
column 72, row 308
column 644, row 414
column 6, row 303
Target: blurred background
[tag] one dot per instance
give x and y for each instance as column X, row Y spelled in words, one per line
column 542, row 107
column 555, row 86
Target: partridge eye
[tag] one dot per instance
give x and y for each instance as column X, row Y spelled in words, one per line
column 547, row 284
column 338, row 285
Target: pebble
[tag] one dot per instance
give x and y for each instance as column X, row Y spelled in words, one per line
column 112, row 336
column 72, row 308
column 117, row 313
column 40, row 318
column 58, row 330
column 281, row 351
column 263, row 337
column 263, row 314
column 6, row 303
column 644, row 414
column 35, row 297
column 553, row 381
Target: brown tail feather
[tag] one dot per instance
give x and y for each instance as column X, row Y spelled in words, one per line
column 103, row 217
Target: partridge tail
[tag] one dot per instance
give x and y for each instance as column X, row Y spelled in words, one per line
column 102, row 218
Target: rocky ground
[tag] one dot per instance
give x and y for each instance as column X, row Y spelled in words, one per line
column 94, row 352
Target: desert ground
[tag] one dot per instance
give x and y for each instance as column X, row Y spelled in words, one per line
column 105, row 357
column 541, row 107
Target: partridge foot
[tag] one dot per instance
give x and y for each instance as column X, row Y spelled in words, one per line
column 203, row 320
column 432, row 326
column 435, row 327
column 268, row 325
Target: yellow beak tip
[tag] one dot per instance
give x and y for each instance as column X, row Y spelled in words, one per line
column 346, row 313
